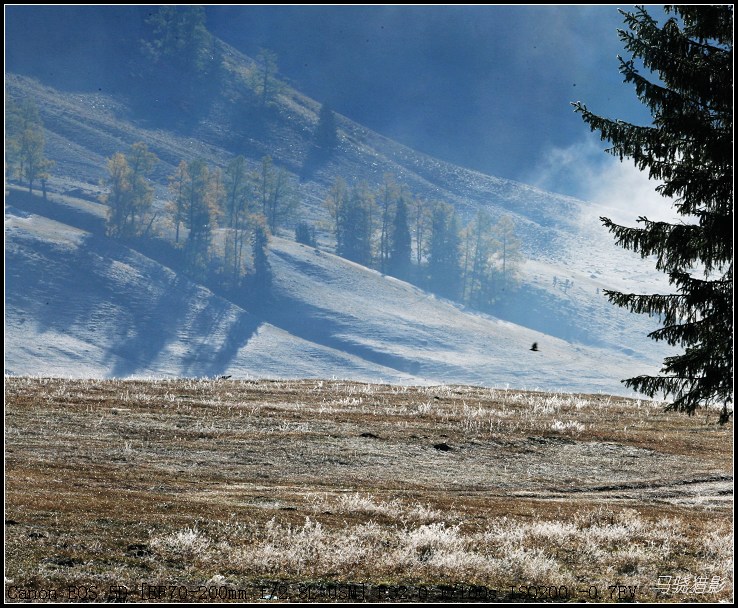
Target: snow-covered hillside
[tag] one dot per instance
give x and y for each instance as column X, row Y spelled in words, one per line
column 78, row 304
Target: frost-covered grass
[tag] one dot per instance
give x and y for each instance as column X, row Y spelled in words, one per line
column 199, row 481
column 594, row 546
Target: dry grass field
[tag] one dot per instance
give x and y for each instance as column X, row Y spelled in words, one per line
column 253, row 491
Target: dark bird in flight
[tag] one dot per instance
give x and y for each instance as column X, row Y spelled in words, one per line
column 224, row 377
column 534, row 347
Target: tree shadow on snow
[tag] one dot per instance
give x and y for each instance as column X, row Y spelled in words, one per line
column 215, row 337
column 103, row 294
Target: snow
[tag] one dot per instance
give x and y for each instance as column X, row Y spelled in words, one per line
column 121, row 314
column 79, row 305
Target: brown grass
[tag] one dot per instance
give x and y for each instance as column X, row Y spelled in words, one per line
column 235, row 487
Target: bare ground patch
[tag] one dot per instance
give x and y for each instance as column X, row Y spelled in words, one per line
column 234, row 485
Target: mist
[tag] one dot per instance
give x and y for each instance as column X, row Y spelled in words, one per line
column 614, row 188
column 486, row 87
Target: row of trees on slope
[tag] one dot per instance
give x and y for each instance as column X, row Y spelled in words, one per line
column 220, row 220
column 390, row 230
column 245, row 205
column 425, row 243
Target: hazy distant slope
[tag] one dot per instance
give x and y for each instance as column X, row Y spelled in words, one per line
column 84, row 129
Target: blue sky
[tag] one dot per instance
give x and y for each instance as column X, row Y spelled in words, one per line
column 486, row 87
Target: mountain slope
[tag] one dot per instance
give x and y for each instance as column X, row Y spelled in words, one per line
column 80, row 305
column 331, row 317
column 84, row 129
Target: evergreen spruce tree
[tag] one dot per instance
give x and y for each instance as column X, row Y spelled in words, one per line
column 325, row 141
column 352, row 211
column 400, row 243
column 358, row 226
column 326, row 132
column 305, row 234
column 689, row 147
column 444, row 270
column 262, row 278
